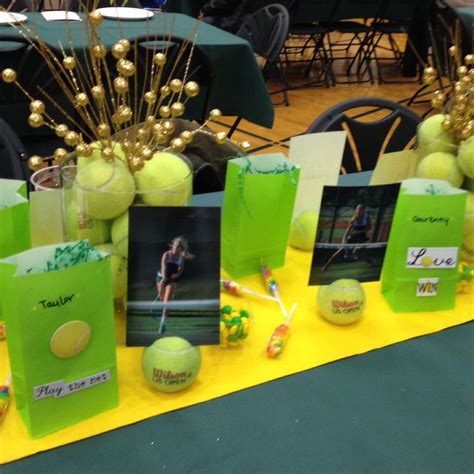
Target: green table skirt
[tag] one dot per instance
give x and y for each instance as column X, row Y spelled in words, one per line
column 239, row 86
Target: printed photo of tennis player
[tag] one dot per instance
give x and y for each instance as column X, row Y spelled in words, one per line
column 353, row 230
column 173, row 274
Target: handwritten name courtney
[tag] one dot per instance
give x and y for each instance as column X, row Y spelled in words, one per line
column 61, row 301
column 431, row 220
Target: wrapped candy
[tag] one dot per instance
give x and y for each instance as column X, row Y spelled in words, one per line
column 236, row 289
column 4, row 398
column 280, row 336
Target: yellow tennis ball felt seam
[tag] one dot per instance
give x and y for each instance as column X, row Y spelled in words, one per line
column 466, row 157
column 303, row 231
column 440, row 165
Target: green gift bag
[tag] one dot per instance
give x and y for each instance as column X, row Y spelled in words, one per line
column 58, row 308
column 258, row 205
column 420, row 267
column 14, row 217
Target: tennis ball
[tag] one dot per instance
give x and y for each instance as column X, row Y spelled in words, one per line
column 467, row 248
column 303, row 231
column 80, row 226
column 342, row 302
column 106, row 189
column 171, row 364
column 466, row 157
column 440, row 165
column 120, row 235
column 169, row 179
column 426, row 261
column 469, row 215
column 432, row 137
column 97, row 150
column 119, row 267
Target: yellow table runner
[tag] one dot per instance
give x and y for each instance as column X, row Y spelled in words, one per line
column 313, row 342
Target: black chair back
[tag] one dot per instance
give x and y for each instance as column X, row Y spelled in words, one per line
column 367, row 140
column 33, row 75
column 185, row 61
column 266, row 31
column 315, row 11
column 14, row 162
column 399, row 10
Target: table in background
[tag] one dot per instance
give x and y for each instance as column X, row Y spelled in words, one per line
column 188, row 7
column 239, row 86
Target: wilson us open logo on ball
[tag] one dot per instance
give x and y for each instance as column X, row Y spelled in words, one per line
column 432, row 257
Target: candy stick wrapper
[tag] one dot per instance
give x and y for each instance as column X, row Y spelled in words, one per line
column 236, row 289
column 278, row 341
column 279, row 337
column 4, row 398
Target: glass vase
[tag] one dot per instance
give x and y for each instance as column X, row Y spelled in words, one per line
column 95, row 204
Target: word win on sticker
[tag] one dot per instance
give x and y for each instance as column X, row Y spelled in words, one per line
column 432, row 257
column 60, row 388
column 427, row 287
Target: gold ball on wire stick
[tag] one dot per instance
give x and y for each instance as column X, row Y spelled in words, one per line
column 60, row 154
column 35, row 120
column 462, row 71
column 95, row 18
column 37, row 106
column 103, row 130
column 177, row 109
column 99, row 51
column 245, row 146
column 8, row 75
column 125, row 44
column 453, row 51
column 150, row 97
column 427, row 79
column 214, row 114
column 191, row 88
column 186, row 136
column 164, row 111
column 81, row 99
column 177, row 145
column 471, row 74
column 469, row 59
column 136, row 163
column 141, row 134
column 220, row 137
column 118, row 51
column 35, row 163
column 150, row 120
column 165, row 91
column 127, row 146
column 168, row 126
column 159, row 59
column 438, row 101
column 466, row 81
column 447, row 123
column 160, row 139
column 429, row 71
column 84, row 149
column 147, row 153
column 69, row 62
column 120, row 85
column 107, row 153
column 61, row 130
column 98, row 93
column 176, row 85
column 71, row 138
column 157, row 128
column 125, row 67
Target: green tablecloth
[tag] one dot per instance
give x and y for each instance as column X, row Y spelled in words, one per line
column 188, row 7
column 239, row 86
